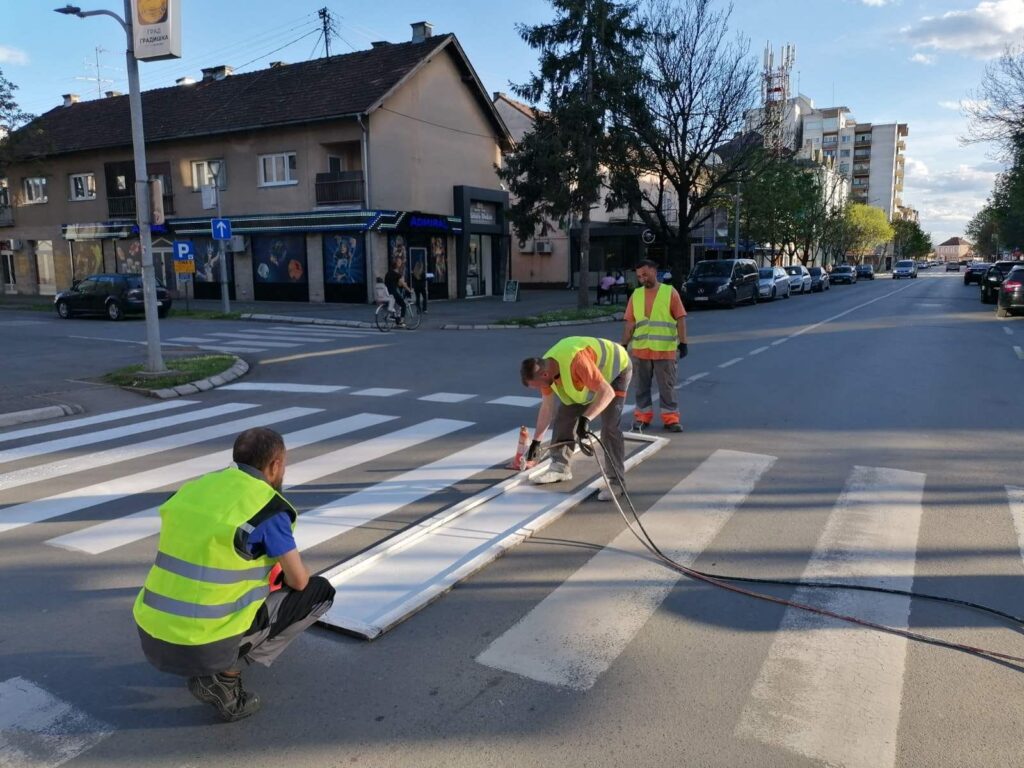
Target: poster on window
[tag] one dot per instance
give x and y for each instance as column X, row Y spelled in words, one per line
column 86, row 258
column 437, row 263
column 344, row 260
column 279, row 259
column 208, row 261
column 128, row 257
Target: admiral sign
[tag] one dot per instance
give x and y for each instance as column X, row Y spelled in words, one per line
column 156, row 29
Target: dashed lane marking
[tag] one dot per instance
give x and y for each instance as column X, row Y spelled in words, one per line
column 758, row 351
column 691, row 379
column 731, row 362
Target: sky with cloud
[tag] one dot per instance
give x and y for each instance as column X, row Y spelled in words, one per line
column 909, row 61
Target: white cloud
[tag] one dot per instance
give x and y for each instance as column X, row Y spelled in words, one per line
column 982, row 31
column 875, row 3
column 922, row 58
column 964, row 104
column 9, row 55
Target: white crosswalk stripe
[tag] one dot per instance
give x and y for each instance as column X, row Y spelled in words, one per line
column 260, row 338
column 89, row 421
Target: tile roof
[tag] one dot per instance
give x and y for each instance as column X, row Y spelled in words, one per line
column 289, row 94
column 954, row 241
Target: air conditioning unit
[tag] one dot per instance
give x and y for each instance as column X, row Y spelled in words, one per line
column 526, row 246
column 544, row 247
column 236, row 244
column 17, row 245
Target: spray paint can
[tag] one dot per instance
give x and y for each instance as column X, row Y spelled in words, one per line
column 519, row 462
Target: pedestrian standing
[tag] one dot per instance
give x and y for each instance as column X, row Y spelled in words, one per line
column 656, row 326
column 207, row 609
column 419, row 286
column 590, row 377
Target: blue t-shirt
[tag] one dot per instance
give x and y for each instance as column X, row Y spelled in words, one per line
column 272, row 537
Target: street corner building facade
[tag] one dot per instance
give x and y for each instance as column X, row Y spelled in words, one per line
column 329, row 170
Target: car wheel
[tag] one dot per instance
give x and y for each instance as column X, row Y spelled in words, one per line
column 1002, row 312
column 114, row 311
column 984, row 296
column 753, row 297
column 773, row 293
column 63, row 310
column 731, row 304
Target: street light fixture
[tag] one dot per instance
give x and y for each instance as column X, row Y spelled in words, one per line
column 216, row 167
column 154, row 355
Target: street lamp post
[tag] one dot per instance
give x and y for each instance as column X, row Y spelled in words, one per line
column 154, row 355
column 225, row 304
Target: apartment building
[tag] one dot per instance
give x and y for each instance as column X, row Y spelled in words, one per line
column 870, row 156
column 330, row 168
column 954, row 249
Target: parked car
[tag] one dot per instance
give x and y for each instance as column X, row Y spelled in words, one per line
column 865, row 272
column 773, row 283
column 799, row 278
column 726, row 282
column 1011, row 293
column 819, row 279
column 992, row 282
column 843, row 273
column 904, row 268
column 922, row 265
column 952, row 266
column 112, row 295
column 975, row 272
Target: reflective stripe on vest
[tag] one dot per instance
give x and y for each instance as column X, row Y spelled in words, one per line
column 200, row 590
column 612, row 359
column 658, row 332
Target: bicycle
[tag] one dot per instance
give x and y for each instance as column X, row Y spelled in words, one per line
column 388, row 314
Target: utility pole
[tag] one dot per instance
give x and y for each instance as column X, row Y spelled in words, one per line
column 736, row 245
column 328, row 29
column 225, row 304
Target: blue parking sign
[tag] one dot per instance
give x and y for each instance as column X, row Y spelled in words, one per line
column 184, row 250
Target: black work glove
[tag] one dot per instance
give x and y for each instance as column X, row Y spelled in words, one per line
column 582, row 433
column 531, row 454
column 683, row 350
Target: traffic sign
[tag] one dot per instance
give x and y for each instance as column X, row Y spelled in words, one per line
column 184, row 250
column 220, row 229
column 184, row 267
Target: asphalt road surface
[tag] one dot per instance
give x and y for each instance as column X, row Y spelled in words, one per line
column 871, row 433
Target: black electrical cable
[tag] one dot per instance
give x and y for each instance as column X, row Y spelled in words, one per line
column 720, row 580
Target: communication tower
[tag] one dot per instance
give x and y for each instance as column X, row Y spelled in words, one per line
column 776, row 83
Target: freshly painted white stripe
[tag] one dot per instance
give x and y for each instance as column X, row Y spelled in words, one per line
column 38, row 730
column 378, row 392
column 18, row 515
column 1008, row 331
column 522, row 402
column 758, row 351
column 78, row 441
column 120, row 531
column 348, row 512
column 691, row 379
column 731, row 362
column 88, row 421
column 577, row 631
column 780, row 341
column 384, row 585
column 238, row 338
column 231, row 350
column 446, row 397
column 1015, row 496
column 830, row 691
column 267, row 386
column 193, row 339
column 114, row 456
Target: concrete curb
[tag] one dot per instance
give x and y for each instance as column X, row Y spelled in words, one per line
column 555, row 323
column 237, row 370
column 306, row 320
column 38, row 414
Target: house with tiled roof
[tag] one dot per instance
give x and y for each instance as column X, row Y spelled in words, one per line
column 330, row 168
column 954, row 249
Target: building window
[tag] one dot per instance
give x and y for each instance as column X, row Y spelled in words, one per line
column 845, row 139
column 830, row 139
column 277, row 170
column 844, row 168
column 863, row 137
column 844, row 153
column 35, row 190
column 82, row 186
column 202, row 176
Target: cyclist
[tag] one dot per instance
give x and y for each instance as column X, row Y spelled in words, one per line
column 394, row 281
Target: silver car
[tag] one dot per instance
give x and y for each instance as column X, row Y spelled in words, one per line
column 799, row 278
column 773, row 283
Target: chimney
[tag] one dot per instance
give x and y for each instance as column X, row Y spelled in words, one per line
column 185, row 81
column 112, row 94
column 277, row 64
column 217, row 73
column 380, row 44
column 70, row 98
column 421, row 30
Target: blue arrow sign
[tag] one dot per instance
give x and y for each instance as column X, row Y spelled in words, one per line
column 220, row 229
column 184, row 251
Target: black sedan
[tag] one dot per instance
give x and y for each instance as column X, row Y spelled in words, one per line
column 112, row 295
column 1011, row 293
column 975, row 272
column 865, row 272
column 993, row 280
column 843, row 273
column 819, row 279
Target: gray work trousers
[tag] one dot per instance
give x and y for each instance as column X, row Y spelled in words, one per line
column 611, row 428
column 664, row 371
column 288, row 615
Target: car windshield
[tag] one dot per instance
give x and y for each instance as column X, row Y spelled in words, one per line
column 712, row 269
column 815, row 271
column 906, row 264
column 793, row 270
column 843, row 268
column 864, row 267
column 765, row 273
column 135, row 283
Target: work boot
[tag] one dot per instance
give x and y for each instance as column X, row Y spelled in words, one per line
column 226, row 694
column 556, row 474
column 639, row 427
column 676, row 427
column 605, row 494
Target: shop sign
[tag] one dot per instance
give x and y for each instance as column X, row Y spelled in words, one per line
column 483, row 213
column 420, row 221
column 156, row 29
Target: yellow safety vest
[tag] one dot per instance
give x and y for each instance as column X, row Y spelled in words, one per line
column 203, row 587
column 612, row 359
column 658, row 332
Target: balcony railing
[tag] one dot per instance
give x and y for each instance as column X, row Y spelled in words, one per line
column 339, row 188
column 124, row 207
column 6, row 216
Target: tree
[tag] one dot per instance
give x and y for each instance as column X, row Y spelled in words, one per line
column 868, row 227
column 11, row 118
column 909, row 241
column 771, row 203
column 983, row 231
column 677, row 136
column 589, row 63
column 995, row 109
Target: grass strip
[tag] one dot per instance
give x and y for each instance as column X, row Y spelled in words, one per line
column 182, row 370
